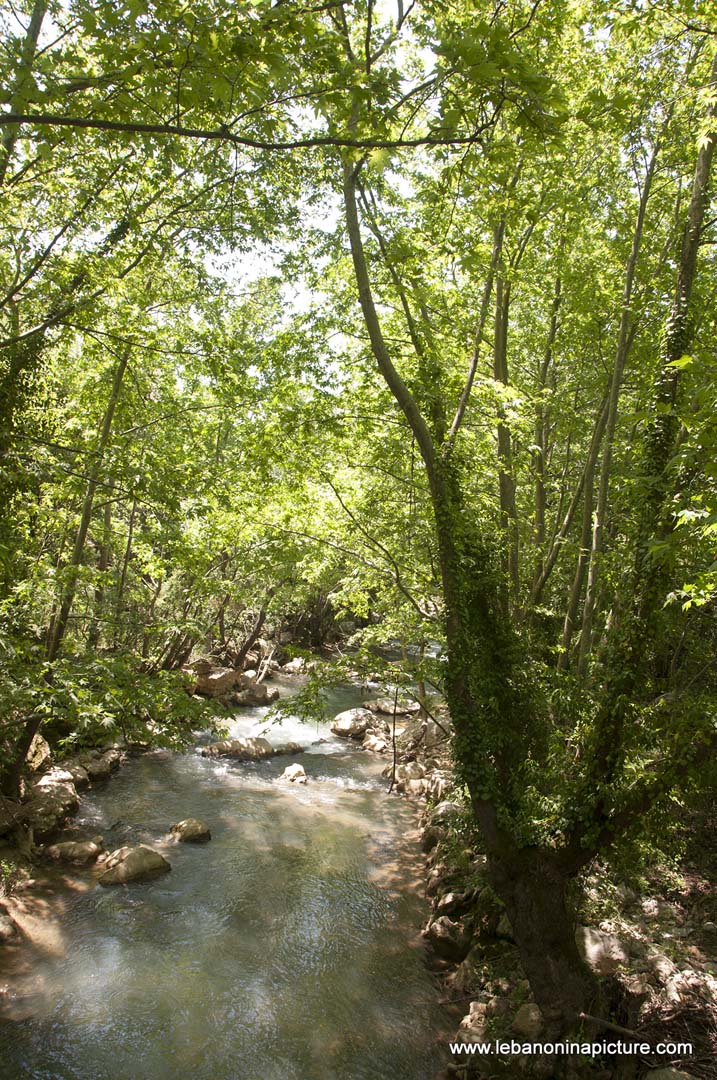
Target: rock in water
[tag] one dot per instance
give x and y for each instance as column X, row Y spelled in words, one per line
column 295, row 773
column 74, row 852
column 133, row 864
column 386, row 705
column 250, row 749
column 352, row 723
column 191, row 831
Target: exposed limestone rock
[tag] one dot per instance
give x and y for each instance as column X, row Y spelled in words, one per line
column 416, row 789
column 295, row 666
column 99, row 765
column 295, row 773
column 289, row 748
column 133, row 864
column 528, row 1022
column 39, row 756
column 79, row 774
column 411, row 770
column 352, row 723
column 214, row 681
column 49, row 805
column 455, row 902
column 74, row 852
column 254, row 694
column 660, row 965
column 249, row 749
column 450, row 940
column 445, row 813
column 473, row 1025
column 374, row 742
column 468, row 973
column 385, row 706
column 51, row 779
column 605, row 953
column 420, row 733
column 191, row 831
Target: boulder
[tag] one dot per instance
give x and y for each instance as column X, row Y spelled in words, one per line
column 74, row 852
column 50, row 803
column 385, row 705
column 352, row 723
column 254, row 694
column 412, row 770
column 133, row 864
column 415, row 789
column 430, row 837
column 295, row 773
column 214, row 681
column 445, row 813
column 289, row 748
column 450, row 940
column 52, row 778
column 249, row 749
column 373, row 741
column 528, row 1022
column 295, row 666
column 79, row 774
column 456, row 902
column 39, row 756
column 473, row 1026
column 437, row 784
column 605, row 953
column 100, row 765
column 661, row 965
column 191, row 831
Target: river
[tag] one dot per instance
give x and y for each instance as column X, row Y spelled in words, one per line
column 287, row 948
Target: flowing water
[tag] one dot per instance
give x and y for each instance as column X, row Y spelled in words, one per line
column 287, row 948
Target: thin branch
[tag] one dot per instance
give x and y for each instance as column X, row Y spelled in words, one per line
column 223, row 134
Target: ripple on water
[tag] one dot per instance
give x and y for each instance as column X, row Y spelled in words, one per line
column 282, row 950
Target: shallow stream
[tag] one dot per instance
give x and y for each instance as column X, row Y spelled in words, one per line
column 287, row 948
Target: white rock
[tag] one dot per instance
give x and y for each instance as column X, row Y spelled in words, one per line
column 249, row 749
column 294, row 773
column 352, row 723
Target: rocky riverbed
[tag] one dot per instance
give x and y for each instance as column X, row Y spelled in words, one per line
column 287, row 945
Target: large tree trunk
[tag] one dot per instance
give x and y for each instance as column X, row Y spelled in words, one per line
column 532, row 884
column 487, row 696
